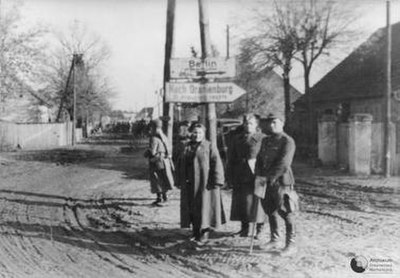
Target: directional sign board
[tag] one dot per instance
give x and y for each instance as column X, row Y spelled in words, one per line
column 202, row 93
column 192, row 68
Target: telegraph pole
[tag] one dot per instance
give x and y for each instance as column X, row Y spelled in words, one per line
column 2, row 106
column 74, row 99
column 168, row 108
column 387, row 142
column 206, row 52
column 227, row 41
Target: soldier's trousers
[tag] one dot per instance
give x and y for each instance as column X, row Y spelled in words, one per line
column 276, row 205
column 289, row 223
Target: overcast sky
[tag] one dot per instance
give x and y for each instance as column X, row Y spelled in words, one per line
column 135, row 32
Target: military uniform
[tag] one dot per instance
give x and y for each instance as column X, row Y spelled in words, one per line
column 274, row 162
column 242, row 154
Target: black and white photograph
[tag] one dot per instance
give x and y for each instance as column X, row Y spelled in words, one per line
column 199, row 138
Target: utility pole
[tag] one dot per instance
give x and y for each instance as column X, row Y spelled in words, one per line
column 2, row 106
column 168, row 108
column 227, row 41
column 205, row 52
column 228, row 106
column 388, row 92
column 157, row 102
column 74, row 99
column 77, row 61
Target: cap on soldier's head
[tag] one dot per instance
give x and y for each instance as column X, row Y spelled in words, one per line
column 274, row 116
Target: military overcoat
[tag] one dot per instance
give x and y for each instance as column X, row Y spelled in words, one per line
column 242, row 153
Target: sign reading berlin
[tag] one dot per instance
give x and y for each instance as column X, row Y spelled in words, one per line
column 202, row 93
column 191, row 68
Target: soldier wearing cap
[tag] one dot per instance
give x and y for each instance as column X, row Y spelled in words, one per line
column 242, row 153
column 273, row 169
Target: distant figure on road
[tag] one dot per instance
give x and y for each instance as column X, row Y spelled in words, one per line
column 200, row 175
column 273, row 171
column 161, row 166
column 242, row 154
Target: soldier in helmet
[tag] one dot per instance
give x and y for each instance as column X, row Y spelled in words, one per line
column 273, row 170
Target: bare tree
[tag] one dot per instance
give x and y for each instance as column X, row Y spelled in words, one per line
column 321, row 27
column 273, row 45
column 92, row 88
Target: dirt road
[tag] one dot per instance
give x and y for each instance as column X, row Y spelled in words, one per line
column 86, row 212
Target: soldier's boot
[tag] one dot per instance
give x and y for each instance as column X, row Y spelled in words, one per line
column 290, row 247
column 196, row 233
column 259, row 230
column 164, row 197
column 244, row 231
column 274, row 241
column 158, row 200
column 204, row 235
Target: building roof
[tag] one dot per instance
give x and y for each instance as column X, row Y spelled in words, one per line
column 362, row 73
column 265, row 94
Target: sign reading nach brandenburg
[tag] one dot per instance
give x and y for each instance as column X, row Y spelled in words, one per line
column 201, row 93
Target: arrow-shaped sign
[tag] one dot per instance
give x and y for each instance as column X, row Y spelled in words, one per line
column 202, row 93
column 204, row 73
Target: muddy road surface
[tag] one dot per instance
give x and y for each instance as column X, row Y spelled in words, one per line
column 86, row 212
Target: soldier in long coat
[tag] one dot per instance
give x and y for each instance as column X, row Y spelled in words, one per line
column 242, row 154
column 200, row 176
column 274, row 167
column 161, row 167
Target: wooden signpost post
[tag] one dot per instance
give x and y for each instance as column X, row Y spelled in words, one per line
column 199, row 80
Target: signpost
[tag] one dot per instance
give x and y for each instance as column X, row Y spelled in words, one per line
column 202, row 93
column 192, row 68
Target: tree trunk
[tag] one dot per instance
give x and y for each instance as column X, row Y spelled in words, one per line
column 286, row 88
column 311, row 128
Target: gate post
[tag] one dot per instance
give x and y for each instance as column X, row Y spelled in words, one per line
column 327, row 140
column 360, row 143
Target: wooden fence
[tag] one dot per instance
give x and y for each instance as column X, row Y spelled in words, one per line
column 34, row 136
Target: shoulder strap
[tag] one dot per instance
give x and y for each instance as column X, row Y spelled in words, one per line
column 163, row 140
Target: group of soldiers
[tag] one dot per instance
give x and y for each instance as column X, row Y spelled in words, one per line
column 258, row 170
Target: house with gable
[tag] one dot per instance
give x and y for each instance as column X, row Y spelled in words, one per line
column 358, row 85
column 264, row 95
